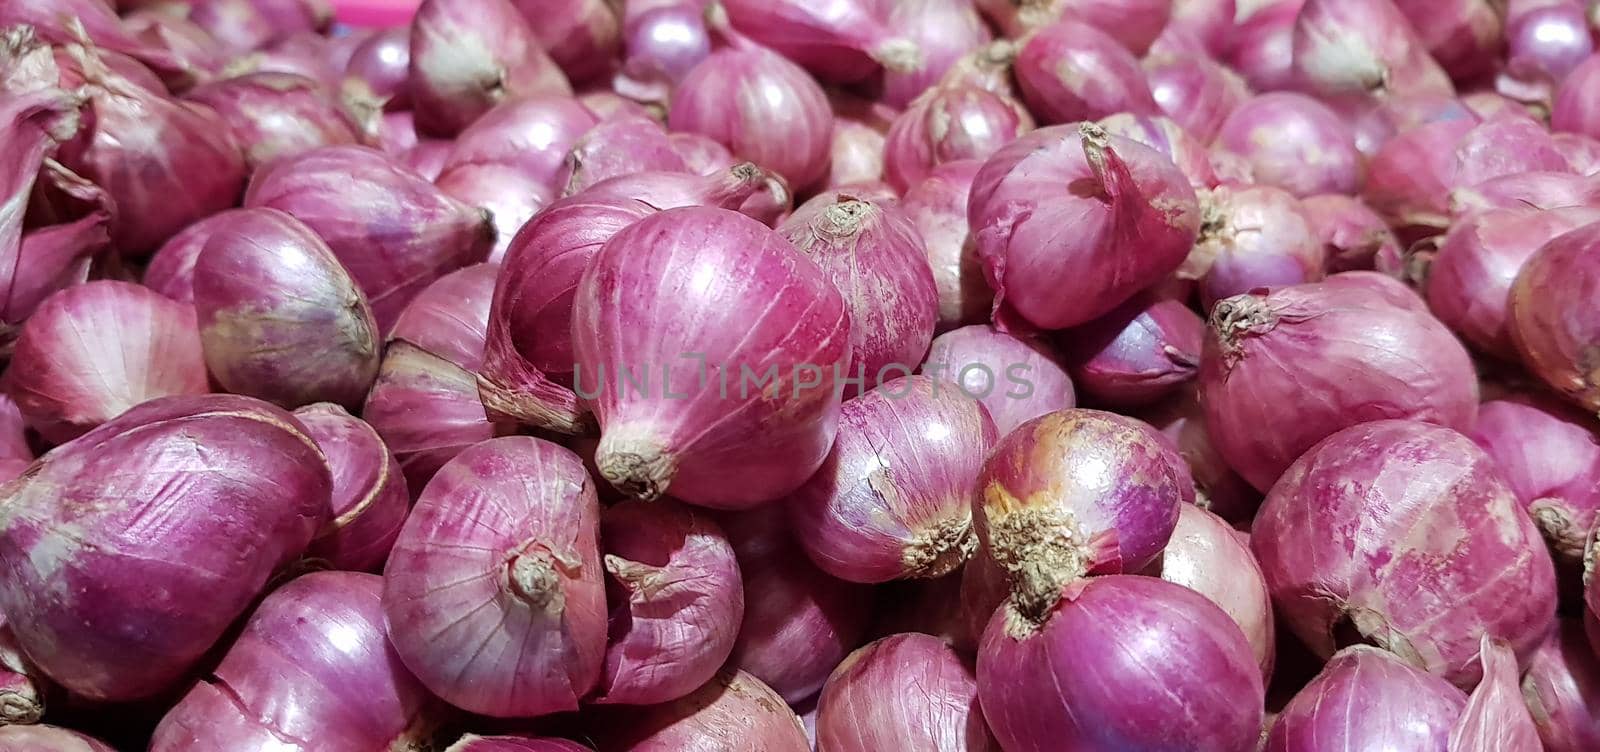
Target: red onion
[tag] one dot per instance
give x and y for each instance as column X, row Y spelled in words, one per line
column 1366, row 698
column 1495, row 719
column 1353, row 236
column 1364, row 46
column 1463, row 36
column 734, row 711
column 607, row 104
column 509, row 196
column 1217, row 487
column 677, row 602
column 49, row 739
column 71, row 21
column 1209, row 557
column 1171, row 140
column 1294, row 142
column 133, row 508
column 950, row 123
column 426, row 408
column 313, row 662
column 942, row 31
column 22, row 691
column 756, row 193
column 1211, row 22
column 1527, row 190
column 1546, row 40
column 1480, row 570
column 1582, row 152
column 1575, row 110
column 469, row 55
column 762, row 107
column 475, row 743
column 275, row 115
column 392, row 230
column 1549, row 315
column 1129, row 214
column 1287, row 359
column 1120, row 662
column 369, row 494
column 875, row 257
column 279, row 317
column 856, row 154
column 909, row 692
column 736, row 450
column 383, row 63
column 1252, row 237
column 661, row 43
column 1562, row 690
column 1263, row 45
column 171, row 270
column 13, row 438
column 938, row 207
column 1072, row 71
column 987, row 67
column 842, row 41
column 493, row 593
column 1110, row 485
column 1016, row 380
column 581, row 36
column 1197, row 93
column 532, row 135
column 95, row 350
column 190, row 47
column 450, row 317
column 894, row 498
column 618, row 146
column 1142, row 351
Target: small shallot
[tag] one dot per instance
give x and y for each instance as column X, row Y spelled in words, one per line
column 531, row 134
column 275, row 115
column 1353, row 236
column 1252, row 236
column 1551, row 321
column 1197, row 93
column 370, row 501
column 908, row 692
column 1294, row 142
column 1363, row 47
column 1549, row 454
column 1144, row 350
column 1071, row 71
column 1366, row 698
column 938, row 207
column 943, row 31
column 953, row 122
column 1495, row 719
column 841, row 41
column 1562, row 690
column 733, row 712
column 1017, row 380
column 469, row 55
column 1209, row 557
column 171, row 270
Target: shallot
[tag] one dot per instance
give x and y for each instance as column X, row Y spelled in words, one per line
column 908, row 692
column 469, row 55
column 370, row 502
column 1017, row 380
column 1562, row 690
column 1549, row 319
column 938, row 207
column 1364, row 698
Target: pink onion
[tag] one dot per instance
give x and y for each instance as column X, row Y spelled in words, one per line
column 988, row 67
column 383, row 63
column 1061, row 212
column 532, row 135
column 1072, row 71
column 1171, row 140
column 756, row 193
column 661, row 43
column 894, row 498
column 1575, row 109
column 762, row 107
column 1120, row 662
column 1263, row 45
column 1562, row 690
column 13, row 438
column 942, row 31
column 1251, row 237
column 22, row 690
column 938, row 207
column 260, row 484
column 856, row 154
column 842, row 41
column 450, row 317
column 1288, row 359
column 275, row 115
column 875, row 257
column 948, row 124
column 677, row 601
column 1546, row 40
column 1366, row 698
column 49, row 739
column 618, row 146
column 1463, row 36
column 1142, row 351
column 469, row 55
column 397, row 135
column 1211, row 22
column 581, row 36
column 93, row 351
column 607, row 104
column 908, row 692
column 1591, row 593
column 1294, row 142
column 369, row 493
column 279, row 317
column 1353, row 236
column 70, row 21
column 171, row 270
column 1134, row 23
column 190, row 47
column 509, row 197
column 1197, row 93
column 392, row 230
column 1527, row 190
column 475, row 743
column 1582, row 152
column 1495, row 719
column 1427, row 598
column 741, row 449
column 313, row 662
column 1364, row 46
column 1218, row 488
column 1550, row 317
column 1016, row 380
column 493, row 593
column 1212, row 559
column 734, row 711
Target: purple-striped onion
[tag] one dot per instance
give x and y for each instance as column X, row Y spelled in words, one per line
column 370, row 501
column 909, row 692
column 1016, row 379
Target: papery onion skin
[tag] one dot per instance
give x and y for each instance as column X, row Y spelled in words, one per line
column 1464, row 36
column 1550, row 457
column 1562, row 690
column 1074, row 493
column 450, row 317
column 279, row 317
column 1139, row 353
column 1363, row 697
column 1550, row 319
column 844, row 41
column 1171, row 141
column 59, row 21
column 275, row 115
column 1363, row 46
column 501, row 554
column 618, row 146
column 1017, row 380
column 894, row 498
column 313, row 662
column 1143, row 201
column 1070, row 71
column 943, row 31
column 475, row 743
column 393, row 231
column 1121, row 662
column 757, row 448
column 1353, row 236
column 261, row 484
column 171, row 270
column 1495, row 719
column 370, row 501
column 1575, row 110
column 22, row 688
column 677, row 601
column 383, row 63
column 1294, row 142
column 1134, row 23
column 508, row 196
column 1209, row 557
column 733, row 712
column 469, row 55
column 1433, row 597
column 910, row 692
column 1196, row 93
column 1266, row 352
column 50, row 739
column 95, row 350
column 958, row 121
column 532, row 134
column 1251, row 237
column 938, row 207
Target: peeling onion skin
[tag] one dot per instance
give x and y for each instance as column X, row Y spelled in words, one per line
column 500, row 561
column 475, row 743
column 1120, row 662
column 1365, row 698
column 275, row 115
column 370, row 501
column 1550, row 315
column 1145, row 350
column 1495, row 719
column 22, row 688
column 1562, row 690
column 468, row 56
column 1076, row 493
column 733, row 712
column 1549, row 454
column 952, row 122
column 652, row 443
column 1209, row 557
column 1481, row 569
column 908, row 692
column 92, row 351
column 1071, row 71
column 1017, row 380
column 313, row 670
column 262, row 484
column 280, row 318
column 1293, row 142
column 677, row 601
column 1354, row 237
column 532, row 135
column 894, row 498
column 171, row 270
column 1265, row 352
column 938, row 207
column 1114, row 193
column 50, row 739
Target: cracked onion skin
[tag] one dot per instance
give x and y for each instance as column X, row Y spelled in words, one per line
column 1433, row 553
column 134, row 507
column 907, row 692
column 1552, row 318
column 1367, row 698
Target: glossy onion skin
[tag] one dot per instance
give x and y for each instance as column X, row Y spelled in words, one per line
column 469, row 55
column 1480, row 569
column 86, row 540
column 1209, row 557
column 494, row 593
column 531, row 134
column 1120, row 662
column 280, row 318
column 370, row 501
column 1495, row 719
column 275, row 115
column 171, row 270
column 1252, row 236
column 908, row 692
column 1294, row 142
column 1549, row 455
column 1366, row 698
column 952, row 122
column 1562, row 690
column 753, row 303
column 1016, row 379
column 1551, row 320
column 1071, row 71
column 1144, row 350
column 938, row 207
column 313, row 670
column 731, row 713
column 894, row 498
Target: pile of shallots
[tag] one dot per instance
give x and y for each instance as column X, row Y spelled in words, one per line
column 792, row 375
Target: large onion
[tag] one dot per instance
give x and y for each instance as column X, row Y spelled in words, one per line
column 1550, row 321
column 1367, row 698
column 908, row 692
column 469, row 55
column 1017, row 380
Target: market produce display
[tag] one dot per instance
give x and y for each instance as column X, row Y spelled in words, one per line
column 799, row 376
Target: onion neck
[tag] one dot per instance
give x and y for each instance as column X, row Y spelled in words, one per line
column 1555, row 521
column 1233, row 318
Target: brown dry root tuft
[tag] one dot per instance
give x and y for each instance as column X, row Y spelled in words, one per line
column 1043, row 549
column 640, row 469
column 940, row 548
column 535, row 579
column 1233, row 318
